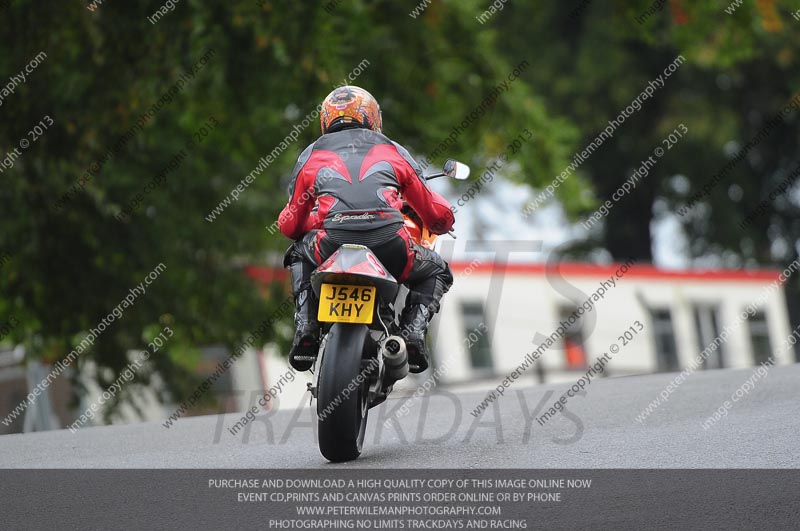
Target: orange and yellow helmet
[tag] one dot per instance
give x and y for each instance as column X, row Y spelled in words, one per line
column 350, row 105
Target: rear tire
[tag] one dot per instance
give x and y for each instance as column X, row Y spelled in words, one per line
column 342, row 419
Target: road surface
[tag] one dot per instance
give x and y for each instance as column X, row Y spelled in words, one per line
column 599, row 430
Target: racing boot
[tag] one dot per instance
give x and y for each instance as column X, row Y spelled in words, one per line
column 305, row 345
column 413, row 327
column 422, row 303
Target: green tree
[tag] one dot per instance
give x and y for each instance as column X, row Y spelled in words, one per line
column 250, row 72
column 740, row 70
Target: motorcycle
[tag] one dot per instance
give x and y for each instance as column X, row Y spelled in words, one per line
column 361, row 354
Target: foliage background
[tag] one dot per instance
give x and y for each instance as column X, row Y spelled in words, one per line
column 273, row 63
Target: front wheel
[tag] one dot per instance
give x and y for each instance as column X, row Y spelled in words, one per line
column 341, row 399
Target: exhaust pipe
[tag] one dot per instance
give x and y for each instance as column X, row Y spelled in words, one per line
column 395, row 356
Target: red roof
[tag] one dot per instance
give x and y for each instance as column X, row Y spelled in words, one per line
column 641, row 271
column 265, row 274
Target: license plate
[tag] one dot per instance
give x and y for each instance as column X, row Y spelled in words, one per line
column 339, row 303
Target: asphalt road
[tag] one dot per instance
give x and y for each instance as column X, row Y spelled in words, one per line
column 599, row 431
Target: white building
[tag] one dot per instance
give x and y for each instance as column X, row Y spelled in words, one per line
column 679, row 313
column 658, row 320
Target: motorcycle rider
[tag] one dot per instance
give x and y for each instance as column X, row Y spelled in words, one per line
column 346, row 188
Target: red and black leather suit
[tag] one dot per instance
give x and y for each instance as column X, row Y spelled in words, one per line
column 346, row 188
